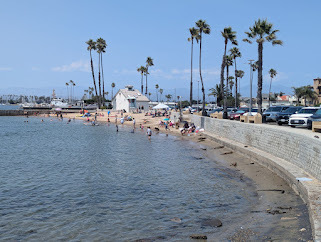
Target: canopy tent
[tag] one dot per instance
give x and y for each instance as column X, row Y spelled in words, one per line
column 160, row 106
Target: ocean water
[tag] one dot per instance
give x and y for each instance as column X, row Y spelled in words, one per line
column 62, row 181
column 9, row 107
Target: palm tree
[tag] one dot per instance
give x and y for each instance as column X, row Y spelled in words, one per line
column 106, row 93
column 231, row 83
column 92, row 46
column 168, row 97
column 71, row 90
column 149, row 62
column 272, row 73
column 156, row 86
column 161, row 92
column 262, row 31
column 235, row 53
column 101, row 46
column 228, row 63
column 67, row 84
column 194, row 34
column 308, row 92
column 215, row 91
column 298, row 92
column 149, row 94
column 142, row 70
column 203, row 27
column 239, row 74
column 112, row 90
column 228, row 35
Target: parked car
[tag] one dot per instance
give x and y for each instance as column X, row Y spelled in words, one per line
column 236, row 115
column 214, row 111
column 283, row 117
column 230, row 111
column 253, row 112
column 300, row 119
column 314, row 117
column 270, row 113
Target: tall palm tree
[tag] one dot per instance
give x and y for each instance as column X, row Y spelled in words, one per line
column 161, row 92
column 261, row 31
column 101, row 46
column 203, row 27
column 168, row 97
column 308, row 92
column 149, row 94
column 71, row 83
column 73, row 87
column 142, row 70
column 231, row 83
column 67, row 85
column 228, row 63
column 157, row 86
column 112, row 90
column 272, row 73
column 239, row 74
column 235, row 53
column 194, row 35
column 92, row 46
column 149, row 62
column 298, row 92
column 228, row 35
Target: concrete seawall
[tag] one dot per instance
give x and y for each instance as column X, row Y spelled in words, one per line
column 291, row 154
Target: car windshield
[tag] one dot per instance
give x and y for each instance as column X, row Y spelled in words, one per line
column 291, row 110
column 254, row 110
column 240, row 111
column 274, row 109
column 318, row 112
column 308, row 110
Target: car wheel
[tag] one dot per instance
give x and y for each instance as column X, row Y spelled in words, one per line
column 279, row 123
column 292, row 126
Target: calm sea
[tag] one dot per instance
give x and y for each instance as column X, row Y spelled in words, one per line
column 62, row 181
column 9, row 107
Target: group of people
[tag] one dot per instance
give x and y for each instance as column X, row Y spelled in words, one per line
column 188, row 128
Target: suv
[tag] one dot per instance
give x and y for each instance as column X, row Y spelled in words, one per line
column 270, row 113
column 314, row 117
column 283, row 117
column 301, row 118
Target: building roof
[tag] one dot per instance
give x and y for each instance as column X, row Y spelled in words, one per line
column 133, row 94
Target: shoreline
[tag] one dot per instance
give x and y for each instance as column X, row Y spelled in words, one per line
column 267, row 185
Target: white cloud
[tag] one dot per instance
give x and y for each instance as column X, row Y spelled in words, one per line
column 34, row 68
column 74, row 66
column 6, row 69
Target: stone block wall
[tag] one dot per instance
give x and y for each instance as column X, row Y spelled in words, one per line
column 298, row 149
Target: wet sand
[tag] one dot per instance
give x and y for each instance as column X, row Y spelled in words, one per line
column 278, row 213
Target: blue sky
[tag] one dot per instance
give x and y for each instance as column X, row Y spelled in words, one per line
column 43, row 42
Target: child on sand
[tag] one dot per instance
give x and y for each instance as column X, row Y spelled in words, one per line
column 149, row 132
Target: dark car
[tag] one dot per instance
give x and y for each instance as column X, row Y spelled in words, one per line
column 314, row 117
column 270, row 114
column 214, row 111
column 283, row 117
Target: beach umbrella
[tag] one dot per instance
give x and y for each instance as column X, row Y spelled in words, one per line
column 160, row 106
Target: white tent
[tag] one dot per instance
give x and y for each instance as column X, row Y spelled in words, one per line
column 160, row 106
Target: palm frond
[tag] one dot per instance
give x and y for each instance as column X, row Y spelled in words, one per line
column 247, row 40
column 277, row 42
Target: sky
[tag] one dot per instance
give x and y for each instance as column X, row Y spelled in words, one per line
column 43, row 43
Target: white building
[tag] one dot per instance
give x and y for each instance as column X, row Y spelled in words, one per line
column 130, row 99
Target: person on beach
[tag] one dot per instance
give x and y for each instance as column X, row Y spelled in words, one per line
column 134, row 122
column 122, row 120
column 108, row 113
column 116, row 119
column 108, row 120
column 149, row 132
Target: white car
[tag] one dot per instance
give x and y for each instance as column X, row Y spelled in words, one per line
column 300, row 119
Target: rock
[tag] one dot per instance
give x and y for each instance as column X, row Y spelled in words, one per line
column 212, row 222
column 176, row 220
column 198, row 236
column 302, row 230
column 234, row 164
column 227, row 153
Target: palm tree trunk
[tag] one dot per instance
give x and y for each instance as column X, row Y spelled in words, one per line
column 142, row 84
column 157, row 95
column 200, row 68
column 99, row 82
column 221, row 94
column 235, row 84
column 225, row 94
column 146, row 81
column 191, row 86
column 270, row 92
column 259, row 78
column 93, row 72
column 103, row 79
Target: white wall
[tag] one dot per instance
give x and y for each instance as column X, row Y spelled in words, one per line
column 120, row 102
